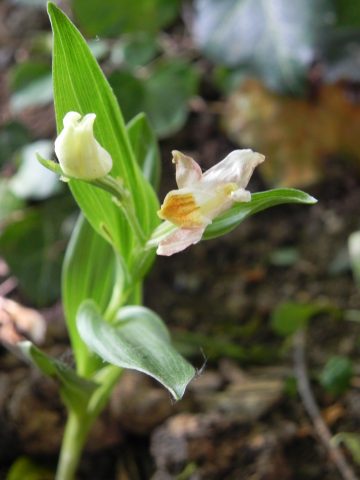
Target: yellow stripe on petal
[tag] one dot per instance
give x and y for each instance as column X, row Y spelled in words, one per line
column 182, row 210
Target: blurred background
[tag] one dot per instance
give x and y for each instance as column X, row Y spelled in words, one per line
column 275, row 302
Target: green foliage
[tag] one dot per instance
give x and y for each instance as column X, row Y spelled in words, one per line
column 259, row 201
column 89, row 271
column 87, row 279
column 37, row 93
column 275, row 41
column 24, row 467
column 284, row 257
column 136, row 49
column 114, row 17
column 351, row 442
column 9, row 202
column 79, row 85
column 138, row 339
column 130, row 92
column 13, row 135
column 33, row 246
column 348, row 13
column 289, row 317
column 32, row 181
column 169, row 87
column 74, row 389
column 232, row 218
column 336, row 375
column 163, row 94
column 27, row 72
column 145, row 148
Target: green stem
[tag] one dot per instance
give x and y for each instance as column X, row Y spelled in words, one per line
column 123, row 198
column 78, row 424
column 75, row 434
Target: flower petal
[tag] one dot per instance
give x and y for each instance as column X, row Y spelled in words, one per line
column 188, row 171
column 79, row 153
column 179, row 240
column 237, row 168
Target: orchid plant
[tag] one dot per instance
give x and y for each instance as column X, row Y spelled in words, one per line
column 112, row 170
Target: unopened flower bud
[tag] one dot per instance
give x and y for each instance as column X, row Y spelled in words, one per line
column 79, row 154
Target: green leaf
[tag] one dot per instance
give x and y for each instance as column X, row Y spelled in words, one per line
column 239, row 212
column 130, row 92
column 163, row 95
column 79, row 85
column 348, row 13
column 138, row 340
column 146, row 148
column 135, row 50
column 33, row 246
column 24, row 467
column 168, row 90
column 89, row 271
column 22, row 74
column 259, row 201
column 32, row 181
column 113, row 17
column 351, row 442
column 336, row 375
column 13, row 135
column 36, row 94
column 276, row 40
column 49, row 164
column 75, row 390
column 289, row 317
column 9, row 203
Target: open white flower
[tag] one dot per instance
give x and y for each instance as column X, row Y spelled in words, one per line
column 80, row 155
column 203, row 196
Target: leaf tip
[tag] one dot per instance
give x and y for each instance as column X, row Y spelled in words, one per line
column 53, row 10
column 311, row 200
column 50, row 7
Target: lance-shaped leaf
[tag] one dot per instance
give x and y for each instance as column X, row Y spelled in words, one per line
column 138, row 340
column 259, row 201
column 145, row 147
column 80, row 86
column 74, row 389
column 239, row 212
column 89, row 271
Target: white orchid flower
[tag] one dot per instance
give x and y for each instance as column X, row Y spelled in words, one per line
column 80, row 155
column 203, row 196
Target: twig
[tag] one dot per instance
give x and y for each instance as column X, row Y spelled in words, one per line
column 313, row 411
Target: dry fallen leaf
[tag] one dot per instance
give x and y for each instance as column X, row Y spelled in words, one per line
column 294, row 134
column 18, row 322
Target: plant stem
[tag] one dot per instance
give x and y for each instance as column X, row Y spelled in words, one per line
column 123, row 198
column 75, row 434
column 78, row 425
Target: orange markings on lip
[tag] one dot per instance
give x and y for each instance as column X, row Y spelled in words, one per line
column 182, row 210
